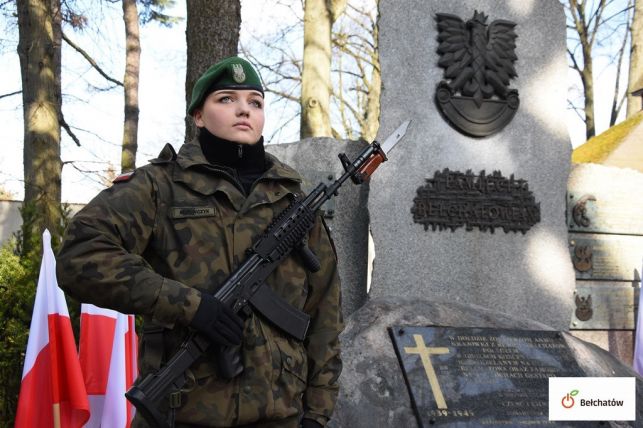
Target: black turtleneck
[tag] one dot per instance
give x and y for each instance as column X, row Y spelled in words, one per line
column 247, row 160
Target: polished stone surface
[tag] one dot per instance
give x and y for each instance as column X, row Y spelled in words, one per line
column 487, row 376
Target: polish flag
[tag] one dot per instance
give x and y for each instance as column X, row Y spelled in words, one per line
column 52, row 393
column 108, row 359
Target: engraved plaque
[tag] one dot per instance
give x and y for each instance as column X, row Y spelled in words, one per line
column 613, row 305
column 606, row 257
column 453, row 199
column 471, row 377
column 311, row 180
column 608, row 212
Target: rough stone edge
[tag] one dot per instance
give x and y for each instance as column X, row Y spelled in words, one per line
column 364, row 380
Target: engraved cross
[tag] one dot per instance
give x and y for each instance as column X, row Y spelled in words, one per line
column 425, row 355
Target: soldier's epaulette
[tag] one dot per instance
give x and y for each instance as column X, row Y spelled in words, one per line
column 126, row 176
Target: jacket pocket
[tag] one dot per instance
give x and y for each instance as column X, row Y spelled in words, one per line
column 289, row 387
column 294, row 366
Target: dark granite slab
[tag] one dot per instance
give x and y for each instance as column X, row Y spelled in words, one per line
column 482, row 376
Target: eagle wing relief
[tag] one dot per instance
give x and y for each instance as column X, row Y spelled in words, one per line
column 478, row 61
column 500, row 56
column 454, row 50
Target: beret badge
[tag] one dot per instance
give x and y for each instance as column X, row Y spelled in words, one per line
column 238, row 74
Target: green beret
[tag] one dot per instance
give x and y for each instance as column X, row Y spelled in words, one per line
column 229, row 73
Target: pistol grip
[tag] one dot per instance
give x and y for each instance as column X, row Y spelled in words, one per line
column 309, row 258
column 146, row 405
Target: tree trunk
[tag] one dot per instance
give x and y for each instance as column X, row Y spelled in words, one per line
column 372, row 113
column 587, row 23
column 57, row 30
column 130, row 83
column 39, row 52
column 617, row 99
column 635, row 79
column 315, row 77
column 588, row 88
column 212, row 33
column 587, row 37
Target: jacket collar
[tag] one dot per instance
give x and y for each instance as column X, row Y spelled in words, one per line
column 198, row 174
column 279, row 170
column 190, row 155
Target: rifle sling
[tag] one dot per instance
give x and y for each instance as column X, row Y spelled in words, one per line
column 153, row 344
column 281, row 313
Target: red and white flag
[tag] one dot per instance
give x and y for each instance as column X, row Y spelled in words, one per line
column 52, row 393
column 108, row 359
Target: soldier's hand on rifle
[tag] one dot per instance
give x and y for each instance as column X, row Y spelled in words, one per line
column 218, row 322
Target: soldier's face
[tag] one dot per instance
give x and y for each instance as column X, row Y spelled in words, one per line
column 234, row 115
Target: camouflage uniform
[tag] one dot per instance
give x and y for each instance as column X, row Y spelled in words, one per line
column 150, row 245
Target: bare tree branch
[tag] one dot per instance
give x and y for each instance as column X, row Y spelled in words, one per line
column 65, row 125
column 350, row 107
column 284, row 95
column 609, row 35
column 616, row 14
column 355, row 55
column 342, row 106
column 577, row 110
column 111, row 143
column 574, row 63
column 281, row 128
column 621, row 102
column 10, row 94
column 69, row 162
column 347, row 72
column 89, row 174
column 599, row 12
column 616, row 105
column 90, row 60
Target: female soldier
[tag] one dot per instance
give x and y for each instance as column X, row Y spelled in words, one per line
column 162, row 239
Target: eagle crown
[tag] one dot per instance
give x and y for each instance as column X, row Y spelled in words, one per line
column 479, row 17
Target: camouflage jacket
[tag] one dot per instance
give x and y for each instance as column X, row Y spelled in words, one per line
column 151, row 244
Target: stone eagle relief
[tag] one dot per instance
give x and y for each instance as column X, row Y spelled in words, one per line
column 477, row 58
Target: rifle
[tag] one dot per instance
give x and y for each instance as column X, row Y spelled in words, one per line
column 246, row 286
